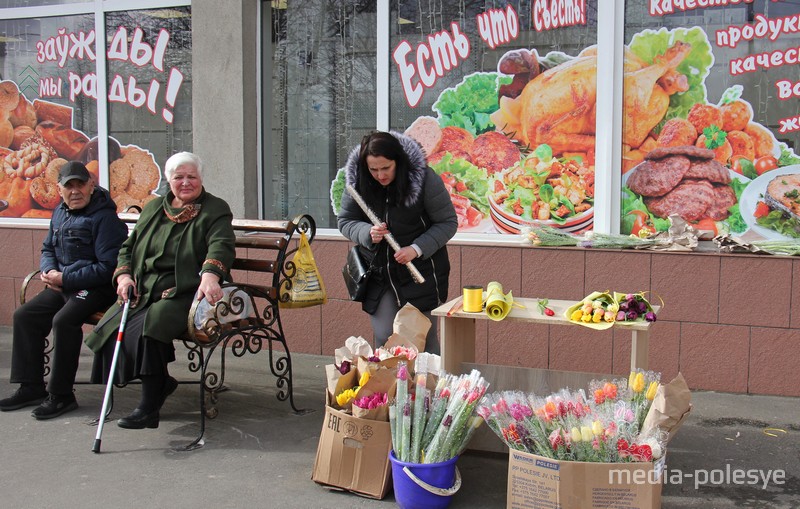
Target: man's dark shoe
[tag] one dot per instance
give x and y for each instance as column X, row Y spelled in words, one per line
column 54, row 406
column 26, row 395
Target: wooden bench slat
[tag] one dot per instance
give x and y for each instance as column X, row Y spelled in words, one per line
column 261, row 225
column 255, row 265
column 261, row 242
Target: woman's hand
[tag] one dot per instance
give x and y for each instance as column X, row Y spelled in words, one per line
column 125, row 284
column 405, row 255
column 209, row 288
column 378, row 232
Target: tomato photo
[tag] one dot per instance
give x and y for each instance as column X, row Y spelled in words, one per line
column 641, row 223
column 765, row 163
column 762, row 209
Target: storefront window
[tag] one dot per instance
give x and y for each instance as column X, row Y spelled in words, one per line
column 319, row 99
column 149, row 99
column 43, row 121
column 716, row 144
column 49, row 91
column 502, row 99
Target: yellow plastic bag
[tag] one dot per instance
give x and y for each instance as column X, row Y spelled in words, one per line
column 305, row 287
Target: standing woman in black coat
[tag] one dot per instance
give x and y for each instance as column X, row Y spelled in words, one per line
column 390, row 172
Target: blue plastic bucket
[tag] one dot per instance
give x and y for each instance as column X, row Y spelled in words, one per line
column 424, row 486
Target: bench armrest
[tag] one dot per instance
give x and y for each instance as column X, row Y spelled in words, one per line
column 24, row 289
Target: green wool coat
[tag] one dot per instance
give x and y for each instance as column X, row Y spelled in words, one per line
column 205, row 243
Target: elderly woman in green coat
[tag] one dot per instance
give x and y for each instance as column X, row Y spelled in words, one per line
column 181, row 249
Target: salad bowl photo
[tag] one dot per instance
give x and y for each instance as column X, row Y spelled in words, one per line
column 507, row 222
column 543, row 190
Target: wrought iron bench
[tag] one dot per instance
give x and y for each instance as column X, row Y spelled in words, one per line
column 262, row 247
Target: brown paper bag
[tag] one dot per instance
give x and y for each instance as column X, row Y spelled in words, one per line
column 364, row 365
column 381, row 379
column 338, row 382
column 670, row 407
column 410, row 328
column 352, row 349
column 380, row 413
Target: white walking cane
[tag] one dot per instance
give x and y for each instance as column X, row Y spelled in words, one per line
column 110, row 383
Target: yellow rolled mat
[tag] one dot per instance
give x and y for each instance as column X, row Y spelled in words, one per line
column 498, row 304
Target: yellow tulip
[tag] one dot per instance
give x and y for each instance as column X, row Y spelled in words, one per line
column 651, row 391
column 638, row 383
column 364, row 379
column 576, row 315
column 597, row 428
column 345, row 396
column 586, row 434
column 575, row 434
column 631, row 379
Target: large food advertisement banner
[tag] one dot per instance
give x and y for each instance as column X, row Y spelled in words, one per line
column 514, row 141
column 711, row 118
column 48, row 108
column 709, row 123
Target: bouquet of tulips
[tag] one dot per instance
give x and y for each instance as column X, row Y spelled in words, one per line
column 633, row 307
column 598, row 310
column 435, row 420
column 603, row 426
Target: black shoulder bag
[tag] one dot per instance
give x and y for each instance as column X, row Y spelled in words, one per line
column 356, row 274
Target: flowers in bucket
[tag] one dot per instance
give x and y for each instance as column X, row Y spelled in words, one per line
column 605, row 426
column 434, row 422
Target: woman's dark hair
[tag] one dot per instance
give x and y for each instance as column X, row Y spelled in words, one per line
column 383, row 144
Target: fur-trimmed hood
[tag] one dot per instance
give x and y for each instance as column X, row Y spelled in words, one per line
column 416, row 171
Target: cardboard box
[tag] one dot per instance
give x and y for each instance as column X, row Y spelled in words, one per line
column 353, row 454
column 535, row 482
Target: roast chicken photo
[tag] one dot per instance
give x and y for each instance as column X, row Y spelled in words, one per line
column 558, row 107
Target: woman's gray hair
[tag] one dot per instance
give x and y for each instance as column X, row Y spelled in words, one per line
column 181, row 159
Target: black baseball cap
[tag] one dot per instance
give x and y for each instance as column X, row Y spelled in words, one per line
column 73, row 170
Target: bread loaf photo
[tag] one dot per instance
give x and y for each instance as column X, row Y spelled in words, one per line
column 67, row 142
column 21, row 135
column 57, row 113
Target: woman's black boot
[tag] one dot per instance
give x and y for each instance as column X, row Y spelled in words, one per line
column 146, row 414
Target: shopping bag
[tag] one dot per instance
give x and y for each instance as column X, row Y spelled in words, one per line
column 304, row 288
column 237, row 306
